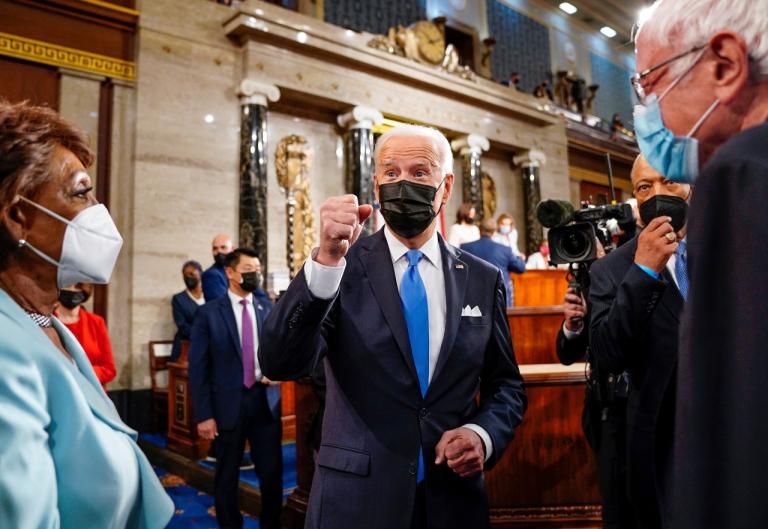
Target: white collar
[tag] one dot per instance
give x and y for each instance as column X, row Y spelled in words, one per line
column 431, row 248
column 235, row 299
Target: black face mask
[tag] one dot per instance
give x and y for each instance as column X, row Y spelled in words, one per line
column 665, row 206
column 220, row 259
column 72, row 298
column 407, row 206
column 191, row 282
column 251, row 281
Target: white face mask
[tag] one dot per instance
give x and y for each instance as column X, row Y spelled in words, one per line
column 90, row 248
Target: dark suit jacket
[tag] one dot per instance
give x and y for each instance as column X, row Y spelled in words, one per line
column 184, row 310
column 499, row 256
column 215, row 283
column 634, row 326
column 721, row 441
column 375, row 415
column 216, row 364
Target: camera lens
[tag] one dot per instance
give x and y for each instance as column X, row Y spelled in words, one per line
column 575, row 245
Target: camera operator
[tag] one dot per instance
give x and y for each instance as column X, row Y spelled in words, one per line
column 636, row 297
column 604, row 415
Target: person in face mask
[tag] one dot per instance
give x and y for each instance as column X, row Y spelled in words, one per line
column 215, row 282
column 712, row 126
column 89, row 329
column 636, row 299
column 184, row 305
column 60, row 430
column 409, row 329
column 232, row 400
column 506, row 233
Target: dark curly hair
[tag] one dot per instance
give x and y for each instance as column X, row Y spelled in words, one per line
column 29, row 136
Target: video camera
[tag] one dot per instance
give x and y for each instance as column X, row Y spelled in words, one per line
column 573, row 234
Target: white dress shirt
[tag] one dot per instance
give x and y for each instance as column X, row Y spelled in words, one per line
column 671, row 266
column 200, row 301
column 237, row 308
column 323, row 282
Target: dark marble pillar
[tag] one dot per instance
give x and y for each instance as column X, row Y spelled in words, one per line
column 530, row 163
column 252, row 220
column 359, row 156
column 470, row 149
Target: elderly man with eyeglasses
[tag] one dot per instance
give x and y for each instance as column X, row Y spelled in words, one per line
column 703, row 92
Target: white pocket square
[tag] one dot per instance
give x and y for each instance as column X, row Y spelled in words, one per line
column 473, row 312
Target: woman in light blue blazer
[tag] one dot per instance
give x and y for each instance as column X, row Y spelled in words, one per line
column 66, row 458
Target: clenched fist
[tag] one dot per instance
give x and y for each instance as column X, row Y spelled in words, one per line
column 341, row 221
column 655, row 245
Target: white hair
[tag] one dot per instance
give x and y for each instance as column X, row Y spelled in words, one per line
column 690, row 23
column 443, row 146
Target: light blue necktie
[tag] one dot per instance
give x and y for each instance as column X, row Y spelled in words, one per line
column 413, row 297
column 681, row 269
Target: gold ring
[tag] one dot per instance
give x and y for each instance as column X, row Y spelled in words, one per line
column 671, row 236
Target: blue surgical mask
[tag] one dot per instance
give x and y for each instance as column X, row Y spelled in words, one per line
column 505, row 230
column 674, row 157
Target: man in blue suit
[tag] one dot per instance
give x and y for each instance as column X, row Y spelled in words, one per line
column 231, row 398
column 410, row 330
column 215, row 281
column 497, row 254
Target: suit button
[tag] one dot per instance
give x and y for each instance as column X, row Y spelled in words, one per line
column 412, row 469
column 423, row 412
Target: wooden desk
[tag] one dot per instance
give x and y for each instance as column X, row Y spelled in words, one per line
column 534, row 332
column 536, row 288
column 182, row 428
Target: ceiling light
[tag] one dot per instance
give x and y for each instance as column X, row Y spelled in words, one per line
column 301, row 37
column 608, row 31
column 208, row 118
column 568, row 8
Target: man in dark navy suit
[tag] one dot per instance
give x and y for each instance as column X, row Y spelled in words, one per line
column 215, row 281
column 410, row 330
column 231, row 398
column 497, row 254
column 636, row 301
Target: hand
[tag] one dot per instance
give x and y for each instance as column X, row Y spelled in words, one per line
column 463, row 449
column 341, row 221
column 574, row 310
column 268, row 382
column 653, row 245
column 207, row 429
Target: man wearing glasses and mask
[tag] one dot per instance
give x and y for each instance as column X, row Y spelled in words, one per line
column 703, row 92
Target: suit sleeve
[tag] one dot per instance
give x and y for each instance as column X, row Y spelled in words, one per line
column 573, row 350
column 28, row 492
column 105, row 366
column 213, row 286
column 295, row 332
column 200, row 367
column 620, row 311
column 502, row 394
column 514, row 263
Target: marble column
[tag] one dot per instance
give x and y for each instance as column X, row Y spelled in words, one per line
column 470, row 150
column 530, row 162
column 252, row 224
column 359, row 155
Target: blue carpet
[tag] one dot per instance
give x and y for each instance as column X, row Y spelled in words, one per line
column 194, row 509
column 247, row 476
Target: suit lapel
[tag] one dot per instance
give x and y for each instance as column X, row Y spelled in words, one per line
column 672, row 299
column 455, row 272
column 377, row 263
column 228, row 317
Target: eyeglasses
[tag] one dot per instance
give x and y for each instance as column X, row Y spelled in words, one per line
column 637, row 78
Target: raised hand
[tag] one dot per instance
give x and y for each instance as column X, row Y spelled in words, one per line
column 341, row 221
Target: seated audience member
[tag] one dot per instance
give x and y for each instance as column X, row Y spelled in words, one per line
column 185, row 304
column 465, row 229
column 67, row 459
column 215, row 283
column 539, row 260
column 497, row 254
column 89, row 329
column 506, row 233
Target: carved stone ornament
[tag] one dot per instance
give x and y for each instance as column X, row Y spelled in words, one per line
column 292, row 161
column 489, row 195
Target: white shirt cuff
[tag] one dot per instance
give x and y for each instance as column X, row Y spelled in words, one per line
column 323, row 281
column 479, row 430
column 570, row 335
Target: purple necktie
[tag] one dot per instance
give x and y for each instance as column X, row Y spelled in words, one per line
column 249, row 368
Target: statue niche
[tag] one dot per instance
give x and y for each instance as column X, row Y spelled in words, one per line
column 292, row 160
